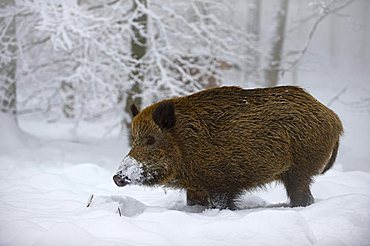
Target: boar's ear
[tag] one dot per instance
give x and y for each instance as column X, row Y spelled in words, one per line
column 164, row 115
column 134, row 110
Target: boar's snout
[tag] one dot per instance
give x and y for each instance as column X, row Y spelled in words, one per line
column 121, row 181
column 130, row 171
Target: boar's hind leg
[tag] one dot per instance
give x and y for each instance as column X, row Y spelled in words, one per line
column 298, row 189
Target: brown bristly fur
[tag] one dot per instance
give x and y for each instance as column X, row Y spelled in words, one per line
column 225, row 140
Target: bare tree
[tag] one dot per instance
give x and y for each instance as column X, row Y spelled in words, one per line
column 139, row 47
column 279, row 61
column 365, row 40
column 322, row 9
column 251, row 69
column 274, row 62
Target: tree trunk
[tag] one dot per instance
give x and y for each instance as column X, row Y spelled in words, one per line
column 8, row 62
column 332, row 40
column 251, row 72
column 138, row 51
column 365, row 38
column 274, row 62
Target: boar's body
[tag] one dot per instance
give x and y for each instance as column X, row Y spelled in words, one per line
column 220, row 142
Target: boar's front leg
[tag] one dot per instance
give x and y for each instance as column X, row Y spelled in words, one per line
column 223, row 201
column 197, row 197
column 214, row 200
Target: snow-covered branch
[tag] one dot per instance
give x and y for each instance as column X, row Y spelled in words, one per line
column 82, row 51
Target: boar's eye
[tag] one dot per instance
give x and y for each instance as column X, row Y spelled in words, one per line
column 150, row 140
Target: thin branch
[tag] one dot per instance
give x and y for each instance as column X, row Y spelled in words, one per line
column 90, row 200
column 337, row 96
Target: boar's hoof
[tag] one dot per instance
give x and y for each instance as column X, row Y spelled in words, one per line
column 303, row 200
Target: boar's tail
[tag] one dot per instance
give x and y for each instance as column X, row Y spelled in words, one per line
column 332, row 158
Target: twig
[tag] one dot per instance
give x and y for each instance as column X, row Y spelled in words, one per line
column 337, row 96
column 119, row 212
column 90, row 200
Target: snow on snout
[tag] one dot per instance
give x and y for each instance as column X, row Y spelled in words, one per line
column 131, row 170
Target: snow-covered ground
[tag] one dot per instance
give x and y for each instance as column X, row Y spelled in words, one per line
column 47, row 206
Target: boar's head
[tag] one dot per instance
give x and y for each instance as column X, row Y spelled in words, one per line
column 154, row 155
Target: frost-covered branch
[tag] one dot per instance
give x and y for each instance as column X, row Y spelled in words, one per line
column 78, row 58
column 8, row 57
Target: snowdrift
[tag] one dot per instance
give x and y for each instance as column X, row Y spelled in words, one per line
column 40, row 205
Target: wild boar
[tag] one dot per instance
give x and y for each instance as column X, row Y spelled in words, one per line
column 220, row 142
